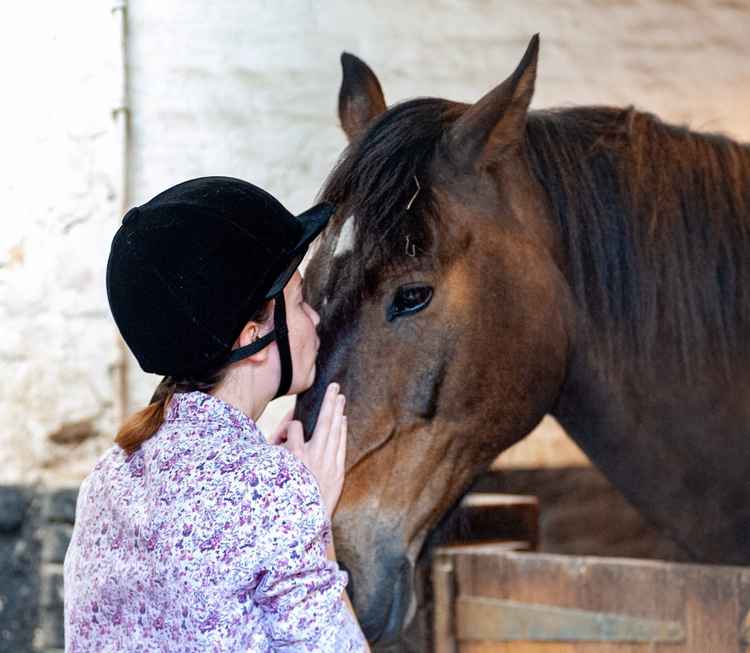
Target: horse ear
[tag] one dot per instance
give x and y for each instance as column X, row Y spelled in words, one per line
column 499, row 118
column 360, row 98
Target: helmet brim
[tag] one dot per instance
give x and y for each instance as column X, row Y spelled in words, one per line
column 314, row 220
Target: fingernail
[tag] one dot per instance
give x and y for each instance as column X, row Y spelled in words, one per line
column 334, row 388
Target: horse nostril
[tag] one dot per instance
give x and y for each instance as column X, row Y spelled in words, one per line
column 349, row 585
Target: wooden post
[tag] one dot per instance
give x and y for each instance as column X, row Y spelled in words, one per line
column 444, row 602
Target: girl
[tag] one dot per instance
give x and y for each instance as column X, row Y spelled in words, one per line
column 192, row 532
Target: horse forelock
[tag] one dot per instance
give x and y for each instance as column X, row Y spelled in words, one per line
column 382, row 187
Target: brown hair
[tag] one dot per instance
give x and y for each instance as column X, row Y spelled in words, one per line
column 140, row 426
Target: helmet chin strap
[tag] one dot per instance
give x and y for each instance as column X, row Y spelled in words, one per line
column 280, row 333
column 282, row 340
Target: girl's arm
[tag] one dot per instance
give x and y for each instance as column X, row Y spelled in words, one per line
column 331, row 554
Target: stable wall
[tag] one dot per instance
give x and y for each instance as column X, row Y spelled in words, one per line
column 60, row 170
column 250, row 89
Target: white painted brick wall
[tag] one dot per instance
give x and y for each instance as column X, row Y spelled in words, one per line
column 250, row 89
column 59, row 166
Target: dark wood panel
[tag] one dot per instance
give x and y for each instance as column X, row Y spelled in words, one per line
column 581, row 513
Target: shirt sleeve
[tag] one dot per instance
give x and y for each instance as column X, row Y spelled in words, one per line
column 298, row 589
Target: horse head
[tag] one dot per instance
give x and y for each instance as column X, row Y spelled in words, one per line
column 445, row 316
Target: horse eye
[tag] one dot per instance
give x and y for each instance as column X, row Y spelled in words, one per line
column 409, row 299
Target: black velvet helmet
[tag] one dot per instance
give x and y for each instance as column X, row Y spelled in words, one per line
column 191, row 266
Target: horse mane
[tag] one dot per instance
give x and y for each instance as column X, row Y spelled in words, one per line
column 655, row 225
column 654, row 219
column 374, row 181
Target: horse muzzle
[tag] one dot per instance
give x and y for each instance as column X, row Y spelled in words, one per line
column 383, row 613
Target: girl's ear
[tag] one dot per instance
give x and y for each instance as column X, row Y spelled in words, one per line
column 249, row 334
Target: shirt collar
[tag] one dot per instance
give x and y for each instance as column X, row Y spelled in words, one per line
column 197, row 406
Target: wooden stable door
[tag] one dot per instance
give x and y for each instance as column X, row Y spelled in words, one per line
column 492, row 600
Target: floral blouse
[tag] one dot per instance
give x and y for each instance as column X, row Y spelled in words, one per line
column 207, row 538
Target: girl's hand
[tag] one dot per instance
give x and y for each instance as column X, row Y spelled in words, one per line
column 325, row 453
column 279, row 435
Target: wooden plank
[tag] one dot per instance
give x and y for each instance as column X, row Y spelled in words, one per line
column 497, row 499
column 491, row 548
column 710, row 603
column 586, row 583
column 479, row 618
column 443, row 588
column 566, row 647
column 715, row 608
column 495, row 516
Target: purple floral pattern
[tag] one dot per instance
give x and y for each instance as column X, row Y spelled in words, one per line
column 205, row 539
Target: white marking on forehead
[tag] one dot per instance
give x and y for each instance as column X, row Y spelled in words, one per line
column 345, row 242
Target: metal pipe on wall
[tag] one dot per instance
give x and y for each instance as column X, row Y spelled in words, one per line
column 121, row 118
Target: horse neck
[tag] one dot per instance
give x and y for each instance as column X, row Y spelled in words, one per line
column 652, row 224
column 654, row 228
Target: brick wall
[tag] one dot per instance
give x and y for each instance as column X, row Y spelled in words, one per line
column 60, row 163
column 35, row 528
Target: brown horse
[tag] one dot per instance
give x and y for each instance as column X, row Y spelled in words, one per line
column 488, row 265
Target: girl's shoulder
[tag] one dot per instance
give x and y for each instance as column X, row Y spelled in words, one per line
column 260, row 477
column 265, row 503
column 273, row 470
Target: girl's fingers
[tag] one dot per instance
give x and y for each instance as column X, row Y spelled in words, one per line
column 279, row 435
column 295, row 437
column 287, row 418
column 341, row 452
column 323, row 425
column 334, row 435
